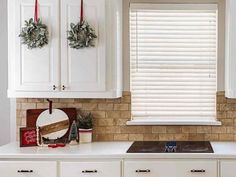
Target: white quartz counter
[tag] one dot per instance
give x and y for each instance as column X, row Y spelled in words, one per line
column 108, row 150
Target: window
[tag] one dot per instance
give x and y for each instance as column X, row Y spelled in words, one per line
column 173, row 61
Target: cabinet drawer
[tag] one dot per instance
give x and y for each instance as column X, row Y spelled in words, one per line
column 227, row 168
column 90, row 169
column 28, row 169
column 173, row 168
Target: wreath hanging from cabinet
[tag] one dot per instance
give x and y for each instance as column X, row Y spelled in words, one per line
column 34, row 34
column 81, row 35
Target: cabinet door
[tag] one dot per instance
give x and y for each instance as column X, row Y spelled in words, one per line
column 37, row 69
column 83, row 69
column 173, row 168
column 90, row 169
column 28, row 169
column 227, row 168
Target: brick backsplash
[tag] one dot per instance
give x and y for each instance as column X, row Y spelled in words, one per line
column 111, row 116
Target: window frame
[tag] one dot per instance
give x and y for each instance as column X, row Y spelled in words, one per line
column 172, row 6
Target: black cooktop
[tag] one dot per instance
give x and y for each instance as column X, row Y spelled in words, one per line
column 171, row 147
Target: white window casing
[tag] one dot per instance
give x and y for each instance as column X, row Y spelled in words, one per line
column 173, row 63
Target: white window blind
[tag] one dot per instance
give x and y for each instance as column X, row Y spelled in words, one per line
column 173, row 61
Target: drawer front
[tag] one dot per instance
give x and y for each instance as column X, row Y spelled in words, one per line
column 28, row 169
column 173, row 168
column 227, row 168
column 90, row 169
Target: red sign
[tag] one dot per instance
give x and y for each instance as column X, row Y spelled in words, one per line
column 28, row 137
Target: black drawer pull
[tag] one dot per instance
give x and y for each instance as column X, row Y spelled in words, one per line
column 143, row 171
column 198, row 171
column 25, row 171
column 89, row 171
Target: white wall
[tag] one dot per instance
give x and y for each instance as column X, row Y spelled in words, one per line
column 4, row 101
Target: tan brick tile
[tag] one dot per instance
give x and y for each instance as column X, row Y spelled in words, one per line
column 126, row 93
column 231, row 101
column 113, row 114
column 234, row 137
column 18, row 106
column 231, row 114
column 96, row 100
column 197, row 136
column 220, row 93
column 121, row 107
column 159, row 129
column 120, row 122
column 126, row 99
column 42, row 105
column 226, row 137
column 166, row 137
column 25, row 106
column 125, row 114
column 223, row 107
column 79, row 100
column 107, row 130
column 189, row 129
column 232, row 107
column 180, row 137
column 59, row 105
column 150, row 137
column 99, row 114
column 75, row 105
column 135, row 137
column 121, row 137
column 221, row 99
column 227, row 122
column 21, row 100
column 136, row 129
column 103, row 137
column 66, row 100
column 21, row 113
column 221, row 114
column 204, row 129
column 212, row 137
column 105, row 122
column 90, row 106
column 173, row 129
column 105, row 106
column 220, row 129
column 23, row 121
column 54, row 100
column 35, row 100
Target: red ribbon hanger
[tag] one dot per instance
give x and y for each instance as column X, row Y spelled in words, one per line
column 82, row 11
column 36, row 11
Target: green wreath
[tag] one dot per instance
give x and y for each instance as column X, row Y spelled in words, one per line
column 34, row 34
column 81, row 35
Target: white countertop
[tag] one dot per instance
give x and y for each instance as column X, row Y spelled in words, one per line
column 222, row 150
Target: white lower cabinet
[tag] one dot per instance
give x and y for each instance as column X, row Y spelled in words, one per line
column 28, row 169
column 170, row 168
column 90, row 169
column 227, row 168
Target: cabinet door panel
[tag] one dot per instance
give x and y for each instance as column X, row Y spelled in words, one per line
column 83, row 69
column 227, row 168
column 174, row 168
column 37, row 69
column 28, row 169
column 90, row 169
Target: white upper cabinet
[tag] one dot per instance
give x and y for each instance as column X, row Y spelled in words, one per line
column 230, row 45
column 56, row 70
column 37, row 69
column 84, row 69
